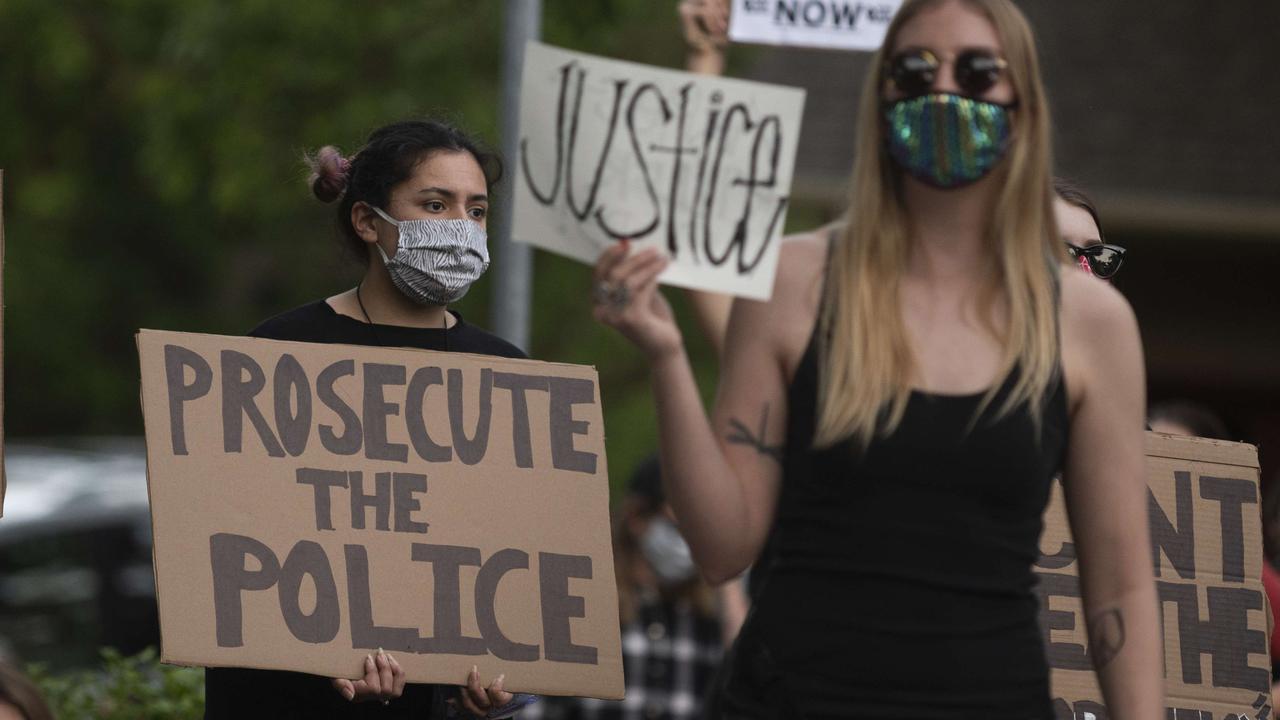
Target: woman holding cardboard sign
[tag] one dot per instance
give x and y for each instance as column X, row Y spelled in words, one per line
column 897, row 410
column 412, row 205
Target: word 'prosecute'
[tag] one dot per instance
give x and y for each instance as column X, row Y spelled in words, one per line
column 190, row 377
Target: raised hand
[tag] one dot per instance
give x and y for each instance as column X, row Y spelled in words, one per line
column 706, row 32
column 625, row 296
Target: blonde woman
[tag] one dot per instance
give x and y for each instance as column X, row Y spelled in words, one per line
column 896, row 411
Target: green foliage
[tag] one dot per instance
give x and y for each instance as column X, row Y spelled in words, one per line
column 153, row 151
column 125, row 688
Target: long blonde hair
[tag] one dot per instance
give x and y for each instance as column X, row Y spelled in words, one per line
column 867, row 363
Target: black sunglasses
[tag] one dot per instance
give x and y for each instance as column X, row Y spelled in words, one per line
column 913, row 72
column 1104, row 260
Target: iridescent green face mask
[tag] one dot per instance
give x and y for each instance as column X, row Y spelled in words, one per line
column 946, row 140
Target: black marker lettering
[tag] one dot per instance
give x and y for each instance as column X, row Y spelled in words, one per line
column 380, row 500
column 1177, row 542
column 352, row 437
column 518, row 384
column 447, row 626
column 679, row 151
column 470, row 449
column 558, row 606
column 238, row 393
column 377, row 410
column 714, row 115
column 292, row 395
column 550, row 197
column 365, row 633
column 227, row 555
column 619, row 87
column 308, row 559
column 415, row 417
column 322, row 481
column 644, row 166
column 176, row 361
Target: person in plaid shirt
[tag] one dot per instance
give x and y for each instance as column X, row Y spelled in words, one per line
column 672, row 640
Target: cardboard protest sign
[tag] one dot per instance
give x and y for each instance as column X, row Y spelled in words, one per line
column 699, row 166
column 1207, row 553
column 312, row 503
column 831, row 24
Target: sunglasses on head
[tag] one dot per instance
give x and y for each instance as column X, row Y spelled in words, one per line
column 913, row 72
column 1104, row 260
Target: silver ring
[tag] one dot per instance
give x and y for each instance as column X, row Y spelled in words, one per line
column 386, row 702
column 614, row 295
column 601, row 292
column 621, row 296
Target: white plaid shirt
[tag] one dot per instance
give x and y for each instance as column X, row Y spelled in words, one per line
column 670, row 653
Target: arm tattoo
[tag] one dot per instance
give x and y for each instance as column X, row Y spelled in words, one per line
column 741, row 435
column 1106, row 637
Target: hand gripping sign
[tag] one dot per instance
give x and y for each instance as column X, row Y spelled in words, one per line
column 699, row 166
column 312, row 503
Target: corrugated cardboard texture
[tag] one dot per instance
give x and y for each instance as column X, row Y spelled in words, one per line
column 1207, row 535
column 493, row 551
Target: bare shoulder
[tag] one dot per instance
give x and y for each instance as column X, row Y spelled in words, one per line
column 1100, row 341
column 1092, row 310
column 785, row 320
column 802, row 260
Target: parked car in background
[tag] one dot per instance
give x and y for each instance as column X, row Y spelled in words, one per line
column 75, row 551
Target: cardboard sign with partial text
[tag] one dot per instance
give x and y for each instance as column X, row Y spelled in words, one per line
column 1203, row 506
column 696, row 165
column 312, row 503
column 829, row 24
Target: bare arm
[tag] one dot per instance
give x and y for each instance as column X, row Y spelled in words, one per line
column 721, row 475
column 711, row 310
column 1105, row 490
column 733, row 609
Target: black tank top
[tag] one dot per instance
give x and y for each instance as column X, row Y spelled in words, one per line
column 899, row 578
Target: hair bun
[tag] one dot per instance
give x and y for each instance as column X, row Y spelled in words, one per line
column 329, row 172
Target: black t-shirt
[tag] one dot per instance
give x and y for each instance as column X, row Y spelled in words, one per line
column 235, row 693
column 318, row 322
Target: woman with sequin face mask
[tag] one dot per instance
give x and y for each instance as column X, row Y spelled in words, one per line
column 892, row 417
column 412, row 206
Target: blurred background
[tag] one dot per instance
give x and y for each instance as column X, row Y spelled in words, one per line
column 153, row 178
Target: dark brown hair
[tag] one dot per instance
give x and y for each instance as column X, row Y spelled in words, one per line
column 388, row 159
column 1073, row 194
column 1200, row 420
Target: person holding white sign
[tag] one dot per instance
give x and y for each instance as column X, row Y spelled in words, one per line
column 412, row 206
column 896, row 412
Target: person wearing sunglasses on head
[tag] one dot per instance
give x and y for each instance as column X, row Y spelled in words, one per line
column 894, row 414
column 1082, row 232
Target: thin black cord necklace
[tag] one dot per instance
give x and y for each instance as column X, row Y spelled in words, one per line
column 444, row 321
column 367, row 320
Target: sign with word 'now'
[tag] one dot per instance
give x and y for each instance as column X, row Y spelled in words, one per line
column 831, row 24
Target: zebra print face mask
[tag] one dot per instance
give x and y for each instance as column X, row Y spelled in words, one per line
column 436, row 261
